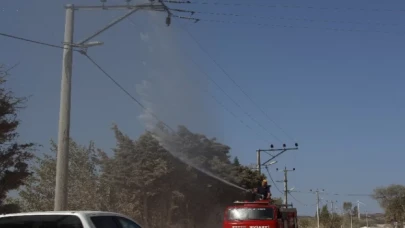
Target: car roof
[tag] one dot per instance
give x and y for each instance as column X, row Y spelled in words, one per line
column 84, row 213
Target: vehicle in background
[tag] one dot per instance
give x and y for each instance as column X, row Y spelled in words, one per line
column 67, row 219
column 259, row 214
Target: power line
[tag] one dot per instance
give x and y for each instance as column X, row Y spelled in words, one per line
column 114, row 81
column 233, row 101
column 296, row 199
column 287, row 26
column 126, row 91
column 31, row 41
column 283, row 18
column 99, row 67
column 336, row 194
column 271, row 178
column 212, row 80
column 235, row 83
column 285, row 6
column 236, row 117
column 221, row 104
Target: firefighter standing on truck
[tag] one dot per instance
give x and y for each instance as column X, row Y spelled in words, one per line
column 264, row 190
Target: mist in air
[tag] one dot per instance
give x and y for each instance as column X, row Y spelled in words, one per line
column 172, row 90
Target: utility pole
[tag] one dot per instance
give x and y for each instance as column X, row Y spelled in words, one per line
column 62, row 162
column 358, row 208
column 272, row 149
column 259, row 164
column 351, row 220
column 64, row 114
column 286, row 191
column 317, row 204
column 367, row 218
column 332, row 202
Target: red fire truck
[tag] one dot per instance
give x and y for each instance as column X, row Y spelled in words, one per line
column 259, row 214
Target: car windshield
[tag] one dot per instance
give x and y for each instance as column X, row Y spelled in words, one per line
column 263, row 213
column 43, row 221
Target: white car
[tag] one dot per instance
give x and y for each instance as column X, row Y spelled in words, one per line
column 67, row 219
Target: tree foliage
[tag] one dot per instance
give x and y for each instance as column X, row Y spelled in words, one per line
column 83, row 180
column 392, row 200
column 14, row 156
column 329, row 219
column 347, row 207
column 147, row 179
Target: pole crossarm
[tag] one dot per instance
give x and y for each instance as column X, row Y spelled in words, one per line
column 116, row 7
column 133, row 9
column 278, row 154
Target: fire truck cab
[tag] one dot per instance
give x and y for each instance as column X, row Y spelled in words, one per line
column 259, row 214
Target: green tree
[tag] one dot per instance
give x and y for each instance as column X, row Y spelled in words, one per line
column 347, row 207
column 324, row 215
column 307, row 222
column 188, row 183
column 335, row 221
column 392, row 200
column 355, row 211
column 236, row 161
column 180, row 179
column 83, row 180
column 14, row 156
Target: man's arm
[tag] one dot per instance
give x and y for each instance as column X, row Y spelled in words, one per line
column 268, row 192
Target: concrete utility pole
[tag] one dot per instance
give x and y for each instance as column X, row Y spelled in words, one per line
column 367, row 218
column 286, row 191
column 317, row 204
column 65, row 97
column 332, row 202
column 272, row 149
column 358, row 208
column 64, row 114
column 351, row 220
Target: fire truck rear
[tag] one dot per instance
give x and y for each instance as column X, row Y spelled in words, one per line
column 259, row 214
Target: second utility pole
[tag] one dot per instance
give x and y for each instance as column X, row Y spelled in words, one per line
column 286, row 191
column 317, row 205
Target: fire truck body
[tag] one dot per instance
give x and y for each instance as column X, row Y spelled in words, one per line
column 259, row 214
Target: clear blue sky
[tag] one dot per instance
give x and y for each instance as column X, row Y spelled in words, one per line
column 340, row 94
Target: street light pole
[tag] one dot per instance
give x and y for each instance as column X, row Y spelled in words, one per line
column 62, row 160
column 64, row 114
